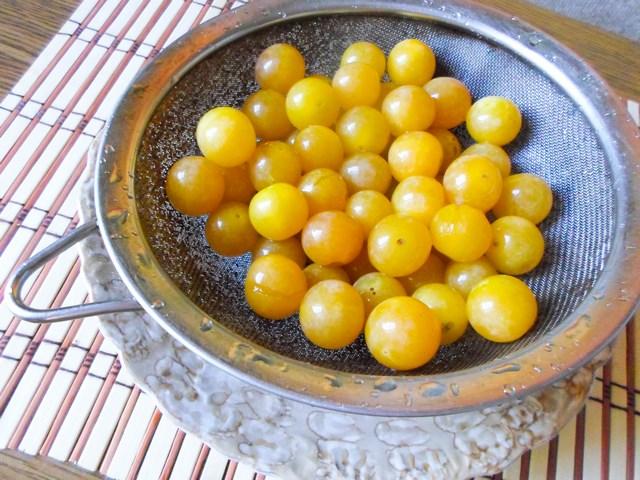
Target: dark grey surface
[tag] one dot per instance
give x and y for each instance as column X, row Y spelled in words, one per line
column 617, row 16
column 556, row 143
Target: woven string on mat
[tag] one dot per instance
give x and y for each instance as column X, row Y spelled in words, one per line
column 62, row 390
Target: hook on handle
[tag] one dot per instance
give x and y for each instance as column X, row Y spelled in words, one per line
column 19, row 308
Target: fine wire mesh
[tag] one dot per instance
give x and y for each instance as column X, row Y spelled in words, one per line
column 85, row 408
column 556, row 143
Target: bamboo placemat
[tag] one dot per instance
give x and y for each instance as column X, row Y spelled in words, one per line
column 63, row 392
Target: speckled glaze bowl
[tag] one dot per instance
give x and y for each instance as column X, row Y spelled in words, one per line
column 295, row 440
column 575, row 136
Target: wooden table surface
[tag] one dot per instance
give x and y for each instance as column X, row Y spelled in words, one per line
column 27, row 25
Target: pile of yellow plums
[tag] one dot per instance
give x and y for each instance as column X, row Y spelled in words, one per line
column 360, row 208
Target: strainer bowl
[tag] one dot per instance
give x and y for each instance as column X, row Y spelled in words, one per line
column 575, row 135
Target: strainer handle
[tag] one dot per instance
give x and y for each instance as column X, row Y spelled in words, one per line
column 19, row 308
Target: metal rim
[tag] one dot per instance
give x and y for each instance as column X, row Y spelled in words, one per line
column 550, row 358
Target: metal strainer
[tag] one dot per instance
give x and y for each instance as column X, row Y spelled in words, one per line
column 574, row 136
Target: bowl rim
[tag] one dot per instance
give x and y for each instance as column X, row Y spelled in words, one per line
column 557, row 354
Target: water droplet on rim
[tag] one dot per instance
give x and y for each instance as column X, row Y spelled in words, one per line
column 206, row 324
column 238, row 349
column 534, row 39
column 506, row 368
column 432, row 389
column 455, row 389
column 509, row 390
column 144, row 260
column 385, row 386
column 157, row 304
column 258, row 357
column 118, row 215
column 333, row 381
column 583, row 322
column 115, row 176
